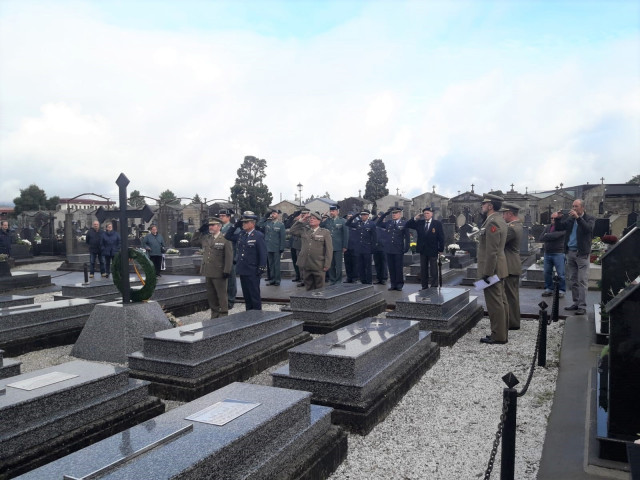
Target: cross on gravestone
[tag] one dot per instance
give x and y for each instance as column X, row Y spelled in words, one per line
column 602, row 180
column 512, row 187
column 472, row 185
column 145, row 213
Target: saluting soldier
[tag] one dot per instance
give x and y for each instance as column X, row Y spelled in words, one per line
column 232, row 288
column 492, row 261
column 251, row 258
column 217, row 260
column 339, row 238
column 350, row 259
column 514, row 266
column 274, row 236
column 364, row 233
column 396, row 244
column 317, row 249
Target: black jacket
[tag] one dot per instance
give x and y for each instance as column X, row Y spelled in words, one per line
column 94, row 240
column 553, row 241
column 431, row 242
column 5, row 242
column 584, row 232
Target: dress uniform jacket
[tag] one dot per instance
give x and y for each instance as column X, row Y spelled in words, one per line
column 274, row 235
column 397, row 239
column 217, row 255
column 317, row 247
column 251, row 251
column 364, row 235
column 491, row 257
column 512, row 247
column 339, row 232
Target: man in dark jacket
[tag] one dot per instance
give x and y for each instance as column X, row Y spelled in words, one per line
column 364, row 234
column 396, row 244
column 553, row 241
column 430, row 245
column 577, row 244
column 94, row 240
column 5, row 238
column 339, row 239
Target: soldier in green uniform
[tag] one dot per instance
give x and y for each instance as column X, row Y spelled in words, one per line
column 274, row 235
column 514, row 266
column 491, row 261
column 217, row 259
column 315, row 257
column 339, row 238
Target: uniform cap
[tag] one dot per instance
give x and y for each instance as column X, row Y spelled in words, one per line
column 510, row 207
column 214, row 221
column 489, row 197
column 396, row 210
column 226, row 211
column 426, row 209
column 334, row 207
column 364, row 211
column 316, row 215
column 249, row 216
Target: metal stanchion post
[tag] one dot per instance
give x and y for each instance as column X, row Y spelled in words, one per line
column 556, row 299
column 86, row 273
column 542, row 346
column 508, row 459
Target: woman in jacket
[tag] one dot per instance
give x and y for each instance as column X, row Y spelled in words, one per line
column 153, row 243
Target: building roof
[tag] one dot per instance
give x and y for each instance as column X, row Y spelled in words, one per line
column 86, row 201
column 622, row 189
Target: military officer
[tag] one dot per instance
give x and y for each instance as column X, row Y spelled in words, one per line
column 317, row 249
column 232, row 288
column 217, row 259
column 339, row 239
column 364, row 233
column 251, row 258
column 514, row 266
column 274, row 236
column 491, row 261
column 396, row 244
column 350, row 260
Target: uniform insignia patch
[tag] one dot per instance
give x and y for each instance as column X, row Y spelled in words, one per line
column 494, row 229
column 433, row 230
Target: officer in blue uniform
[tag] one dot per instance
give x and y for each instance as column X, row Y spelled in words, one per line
column 379, row 255
column 396, row 244
column 364, row 233
column 251, row 260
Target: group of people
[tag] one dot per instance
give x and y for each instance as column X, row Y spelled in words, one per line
column 499, row 255
column 103, row 246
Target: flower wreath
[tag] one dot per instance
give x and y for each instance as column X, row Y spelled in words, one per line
column 148, row 283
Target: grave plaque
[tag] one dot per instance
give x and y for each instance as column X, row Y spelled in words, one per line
column 42, row 381
column 222, row 412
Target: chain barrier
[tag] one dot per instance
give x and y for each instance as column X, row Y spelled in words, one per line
column 533, row 362
column 496, row 441
column 555, row 306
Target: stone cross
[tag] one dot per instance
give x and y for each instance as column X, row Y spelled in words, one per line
column 145, row 213
column 512, row 187
column 434, row 189
column 472, row 185
column 397, row 191
column 602, row 180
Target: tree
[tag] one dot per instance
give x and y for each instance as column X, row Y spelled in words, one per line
column 634, row 181
column 31, row 198
column 169, row 198
column 136, row 200
column 376, row 186
column 197, row 199
column 249, row 192
column 53, row 202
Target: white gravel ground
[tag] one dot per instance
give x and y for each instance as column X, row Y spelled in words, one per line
column 445, row 425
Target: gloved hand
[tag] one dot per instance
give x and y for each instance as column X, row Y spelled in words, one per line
column 238, row 224
column 262, row 270
column 225, row 275
column 486, row 279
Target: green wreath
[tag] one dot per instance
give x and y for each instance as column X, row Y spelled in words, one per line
column 150, row 279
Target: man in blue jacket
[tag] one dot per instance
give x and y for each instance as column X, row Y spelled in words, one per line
column 364, row 233
column 578, row 228
column 396, row 244
column 430, row 245
column 251, row 258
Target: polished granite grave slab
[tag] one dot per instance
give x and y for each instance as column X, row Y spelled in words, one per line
column 51, row 412
column 29, row 327
column 114, row 330
column 8, row 366
column 361, row 370
column 13, row 300
column 459, row 260
column 181, row 297
column 283, row 436
column 181, row 264
column 23, row 280
column 334, row 306
column 448, row 312
column 187, row 362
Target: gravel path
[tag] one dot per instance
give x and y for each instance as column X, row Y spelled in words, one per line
column 445, row 425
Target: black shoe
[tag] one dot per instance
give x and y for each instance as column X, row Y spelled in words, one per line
column 275, row 284
column 572, row 307
column 547, row 294
column 391, row 288
column 301, row 284
column 399, row 289
column 295, row 280
column 492, row 342
column 514, row 328
column 581, row 311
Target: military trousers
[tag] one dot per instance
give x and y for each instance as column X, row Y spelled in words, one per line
column 512, row 294
column 364, row 268
column 313, row 279
column 273, row 261
column 495, row 299
column 335, row 271
column 250, row 285
column 217, row 296
column 396, row 277
column 294, row 259
column 380, row 262
column 428, row 270
column 351, row 265
column 232, row 287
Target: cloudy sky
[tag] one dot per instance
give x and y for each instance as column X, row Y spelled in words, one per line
column 175, row 93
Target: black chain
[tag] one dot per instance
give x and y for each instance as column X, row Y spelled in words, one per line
column 533, row 362
column 496, row 442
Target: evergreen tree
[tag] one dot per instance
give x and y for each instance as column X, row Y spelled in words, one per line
column 634, row 181
column 197, row 199
column 53, row 202
column 169, row 198
column 249, row 192
column 376, row 186
column 136, row 200
column 31, row 198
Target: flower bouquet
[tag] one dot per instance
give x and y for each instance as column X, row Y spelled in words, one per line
column 453, row 248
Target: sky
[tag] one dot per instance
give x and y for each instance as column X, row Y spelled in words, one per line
column 175, row 93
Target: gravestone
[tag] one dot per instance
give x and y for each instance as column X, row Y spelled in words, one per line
column 460, row 259
column 361, row 370
column 623, row 395
column 50, row 412
column 527, row 220
column 449, row 233
column 452, row 219
column 414, row 273
column 632, row 219
column 13, row 300
column 24, row 328
column 524, row 241
column 601, row 227
column 534, row 276
column 114, row 330
column 8, row 366
column 447, row 312
column 187, row 362
column 536, row 232
column 620, row 265
column 334, row 306
column 471, row 275
column 240, row 431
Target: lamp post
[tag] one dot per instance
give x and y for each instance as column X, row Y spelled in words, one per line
column 299, row 193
